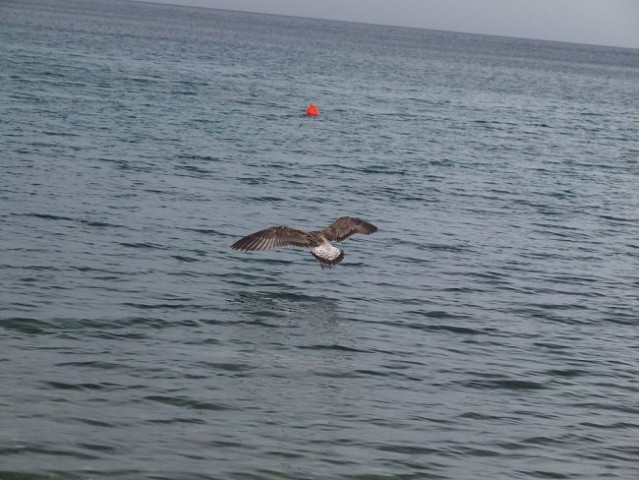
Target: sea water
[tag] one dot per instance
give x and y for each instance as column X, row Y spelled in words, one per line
column 489, row 329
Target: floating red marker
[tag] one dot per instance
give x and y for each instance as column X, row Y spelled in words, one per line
column 312, row 110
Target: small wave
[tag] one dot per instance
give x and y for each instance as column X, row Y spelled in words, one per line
column 506, row 384
column 48, row 216
column 335, row 347
column 75, row 386
column 188, row 403
column 144, row 246
column 30, row 326
column 446, row 328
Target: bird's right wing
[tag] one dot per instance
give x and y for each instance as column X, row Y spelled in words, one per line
column 344, row 227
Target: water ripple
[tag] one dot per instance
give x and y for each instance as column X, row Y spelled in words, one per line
column 487, row 330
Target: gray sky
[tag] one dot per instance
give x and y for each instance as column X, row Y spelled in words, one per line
column 603, row 22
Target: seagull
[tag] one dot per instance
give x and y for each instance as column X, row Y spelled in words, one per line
column 319, row 241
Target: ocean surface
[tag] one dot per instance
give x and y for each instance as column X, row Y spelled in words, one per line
column 488, row 330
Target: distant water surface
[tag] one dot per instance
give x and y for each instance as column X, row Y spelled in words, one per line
column 490, row 329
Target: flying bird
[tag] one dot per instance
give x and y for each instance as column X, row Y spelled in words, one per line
column 319, row 241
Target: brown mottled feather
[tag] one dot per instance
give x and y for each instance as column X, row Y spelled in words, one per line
column 344, row 227
column 274, row 237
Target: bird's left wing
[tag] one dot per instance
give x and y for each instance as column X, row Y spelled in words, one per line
column 274, row 237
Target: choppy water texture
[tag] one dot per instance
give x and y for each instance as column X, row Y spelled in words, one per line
column 488, row 330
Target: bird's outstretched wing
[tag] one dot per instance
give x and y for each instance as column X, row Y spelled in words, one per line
column 344, row 227
column 274, row 237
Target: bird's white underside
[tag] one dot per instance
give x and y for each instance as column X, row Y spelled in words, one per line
column 326, row 251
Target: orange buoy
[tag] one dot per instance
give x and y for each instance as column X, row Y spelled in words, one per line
column 312, row 110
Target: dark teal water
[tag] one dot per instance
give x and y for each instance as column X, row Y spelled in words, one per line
column 490, row 329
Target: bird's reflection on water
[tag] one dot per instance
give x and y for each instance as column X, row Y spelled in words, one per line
column 291, row 332
column 265, row 307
